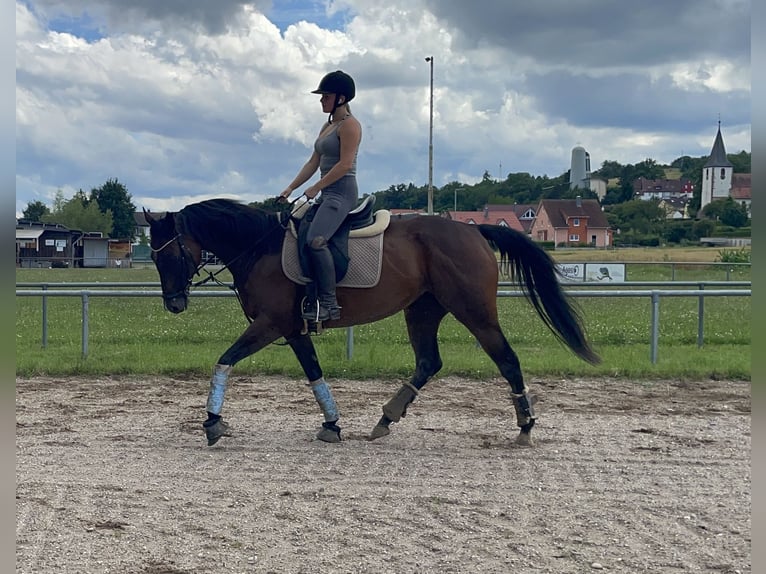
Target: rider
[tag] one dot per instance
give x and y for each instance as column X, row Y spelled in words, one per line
column 335, row 151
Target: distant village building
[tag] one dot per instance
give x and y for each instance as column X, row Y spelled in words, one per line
column 719, row 180
column 741, row 189
column 572, row 222
column 675, row 207
column 647, row 189
column 674, row 195
column 501, row 214
column 598, row 185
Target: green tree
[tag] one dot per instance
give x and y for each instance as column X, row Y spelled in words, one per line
column 740, row 161
column 727, row 211
column 703, row 228
column 114, row 197
column 35, row 210
column 648, row 169
column 76, row 214
column 610, row 169
column 642, row 217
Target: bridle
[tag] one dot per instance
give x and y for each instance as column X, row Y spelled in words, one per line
column 193, row 269
column 185, row 260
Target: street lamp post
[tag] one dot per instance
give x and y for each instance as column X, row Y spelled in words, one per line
column 430, row 59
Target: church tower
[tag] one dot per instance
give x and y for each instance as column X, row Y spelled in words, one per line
column 716, row 173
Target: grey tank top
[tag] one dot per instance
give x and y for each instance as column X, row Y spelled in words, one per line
column 328, row 148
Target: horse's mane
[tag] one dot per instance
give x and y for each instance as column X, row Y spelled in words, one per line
column 228, row 228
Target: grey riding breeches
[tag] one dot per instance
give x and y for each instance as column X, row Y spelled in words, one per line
column 333, row 207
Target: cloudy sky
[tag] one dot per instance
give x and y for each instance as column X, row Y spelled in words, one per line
column 182, row 100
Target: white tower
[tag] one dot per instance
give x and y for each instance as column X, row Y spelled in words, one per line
column 716, row 173
column 579, row 171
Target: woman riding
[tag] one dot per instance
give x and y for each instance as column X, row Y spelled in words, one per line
column 335, row 152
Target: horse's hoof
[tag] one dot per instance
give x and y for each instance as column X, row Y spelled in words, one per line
column 330, row 432
column 525, row 440
column 378, row 432
column 329, row 435
column 216, row 431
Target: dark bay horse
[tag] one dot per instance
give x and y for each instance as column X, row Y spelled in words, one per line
column 431, row 266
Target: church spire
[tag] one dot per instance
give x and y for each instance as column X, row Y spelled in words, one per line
column 718, row 153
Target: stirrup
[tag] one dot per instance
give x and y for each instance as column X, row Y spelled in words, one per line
column 314, row 314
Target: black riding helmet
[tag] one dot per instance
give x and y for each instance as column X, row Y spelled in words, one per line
column 338, row 83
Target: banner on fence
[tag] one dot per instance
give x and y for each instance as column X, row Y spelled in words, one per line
column 605, row 272
column 572, row 271
column 597, row 272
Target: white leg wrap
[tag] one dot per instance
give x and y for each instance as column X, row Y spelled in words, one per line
column 323, row 396
column 218, row 388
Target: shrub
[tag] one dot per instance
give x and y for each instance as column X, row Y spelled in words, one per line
column 741, row 255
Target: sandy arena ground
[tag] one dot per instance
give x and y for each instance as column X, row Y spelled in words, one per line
column 114, row 475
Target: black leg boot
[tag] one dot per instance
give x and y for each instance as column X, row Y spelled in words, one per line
column 324, row 276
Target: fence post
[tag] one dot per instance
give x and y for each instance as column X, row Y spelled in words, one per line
column 701, row 318
column 349, row 343
column 655, row 326
column 85, row 304
column 45, row 318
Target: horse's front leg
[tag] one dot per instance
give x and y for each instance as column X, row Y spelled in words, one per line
column 303, row 347
column 258, row 334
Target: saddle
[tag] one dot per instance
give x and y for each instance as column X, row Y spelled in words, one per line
column 358, row 249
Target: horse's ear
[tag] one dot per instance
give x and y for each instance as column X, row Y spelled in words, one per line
column 148, row 216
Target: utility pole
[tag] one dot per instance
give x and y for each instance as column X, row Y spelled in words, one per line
column 430, row 59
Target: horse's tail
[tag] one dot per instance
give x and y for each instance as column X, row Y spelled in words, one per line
column 538, row 277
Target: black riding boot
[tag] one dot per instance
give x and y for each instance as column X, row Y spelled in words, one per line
column 324, row 276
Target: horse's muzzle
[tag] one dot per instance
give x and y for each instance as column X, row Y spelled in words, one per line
column 176, row 304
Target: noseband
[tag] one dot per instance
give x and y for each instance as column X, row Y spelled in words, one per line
column 186, row 262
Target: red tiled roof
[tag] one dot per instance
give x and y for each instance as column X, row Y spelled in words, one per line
column 505, row 217
column 559, row 210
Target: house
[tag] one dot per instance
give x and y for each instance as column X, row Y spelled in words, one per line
column 571, row 222
column 141, row 227
column 526, row 214
column 741, row 190
column 675, row 207
column 598, row 186
column 503, row 215
column 647, row 189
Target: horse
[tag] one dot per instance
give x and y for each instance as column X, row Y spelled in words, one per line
column 431, row 266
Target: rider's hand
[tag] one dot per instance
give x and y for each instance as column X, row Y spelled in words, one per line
column 282, row 198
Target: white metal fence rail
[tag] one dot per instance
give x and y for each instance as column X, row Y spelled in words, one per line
column 44, row 291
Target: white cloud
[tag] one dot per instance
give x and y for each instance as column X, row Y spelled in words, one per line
column 181, row 101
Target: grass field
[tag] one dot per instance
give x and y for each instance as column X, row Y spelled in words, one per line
column 136, row 335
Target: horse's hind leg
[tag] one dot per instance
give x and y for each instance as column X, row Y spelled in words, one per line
column 303, row 347
column 494, row 343
column 423, row 319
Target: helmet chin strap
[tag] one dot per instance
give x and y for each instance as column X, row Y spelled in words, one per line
column 334, row 108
